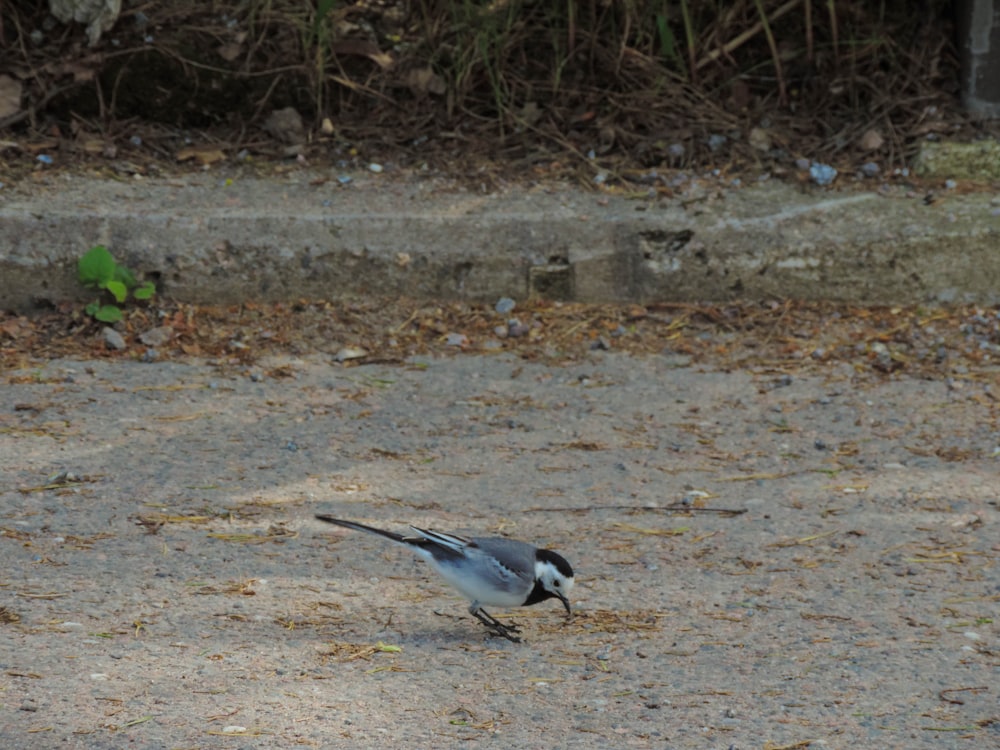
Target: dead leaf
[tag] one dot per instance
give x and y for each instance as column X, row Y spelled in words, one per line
column 201, row 154
column 97, row 146
column 363, row 48
column 229, row 51
column 871, row 140
column 38, row 147
column 10, row 96
column 760, row 140
column 14, row 328
column 81, row 69
column 423, row 81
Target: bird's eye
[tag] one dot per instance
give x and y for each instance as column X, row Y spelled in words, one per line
column 555, row 583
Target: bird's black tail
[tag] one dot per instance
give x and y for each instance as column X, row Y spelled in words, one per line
column 361, row 527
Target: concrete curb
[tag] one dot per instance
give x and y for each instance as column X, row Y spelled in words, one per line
column 204, row 239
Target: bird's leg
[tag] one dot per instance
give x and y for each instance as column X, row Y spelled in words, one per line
column 495, row 626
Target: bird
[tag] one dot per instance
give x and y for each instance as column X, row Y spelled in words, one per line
column 488, row 571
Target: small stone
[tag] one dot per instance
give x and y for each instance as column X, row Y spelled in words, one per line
column 871, row 140
column 157, row 336
column 350, row 352
column 692, row 496
column 457, row 339
column 516, row 328
column 286, row 126
column 870, row 169
column 113, row 339
column 822, row 174
column 504, row 305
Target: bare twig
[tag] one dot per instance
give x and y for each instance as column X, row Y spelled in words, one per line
column 676, row 508
column 740, row 39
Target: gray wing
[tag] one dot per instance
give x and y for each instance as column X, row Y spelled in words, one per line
column 515, row 560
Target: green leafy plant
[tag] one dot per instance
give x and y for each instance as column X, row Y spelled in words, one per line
column 97, row 269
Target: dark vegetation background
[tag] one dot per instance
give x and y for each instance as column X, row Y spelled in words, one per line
column 536, row 86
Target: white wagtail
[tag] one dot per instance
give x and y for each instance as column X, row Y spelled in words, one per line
column 487, row 570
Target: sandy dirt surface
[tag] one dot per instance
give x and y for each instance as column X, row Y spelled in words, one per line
column 164, row 584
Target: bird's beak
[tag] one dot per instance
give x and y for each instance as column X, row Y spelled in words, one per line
column 565, row 602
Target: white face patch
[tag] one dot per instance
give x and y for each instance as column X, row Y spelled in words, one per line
column 551, row 579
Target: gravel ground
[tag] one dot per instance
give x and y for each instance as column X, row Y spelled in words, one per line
column 164, row 584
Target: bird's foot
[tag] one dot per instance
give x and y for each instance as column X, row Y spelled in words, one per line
column 496, row 627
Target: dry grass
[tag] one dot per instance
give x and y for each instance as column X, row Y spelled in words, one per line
column 776, row 338
column 623, row 84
